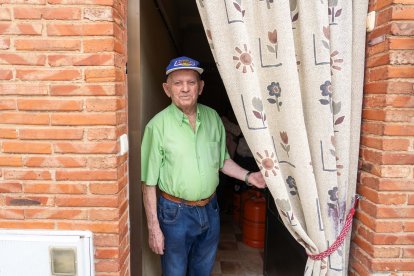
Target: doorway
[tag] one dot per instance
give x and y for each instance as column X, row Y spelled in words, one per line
column 168, row 29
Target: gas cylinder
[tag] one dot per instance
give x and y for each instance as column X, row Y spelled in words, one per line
column 254, row 216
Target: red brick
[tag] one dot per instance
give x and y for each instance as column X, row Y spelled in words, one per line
column 11, row 214
column 387, row 226
column 83, row 119
column 103, row 105
column 99, row 14
column 408, row 252
column 8, row 104
column 100, row 162
column 399, row 130
column 8, row 133
column 107, row 265
column 27, row 175
column 49, row 105
column 81, row 60
column 4, row 43
column 96, row 227
column 389, row 72
column 374, row 101
column 22, row 59
column 396, row 185
column 376, row 128
column 395, row 171
column 82, row 90
column 103, row 75
column 373, row 114
column 19, row 28
column 56, row 162
column 90, row 29
column 399, row 115
column 32, row 2
column 377, row 60
column 102, row 134
column 27, row 224
column 392, row 265
column 396, row 144
column 104, row 188
column 29, row 201
column 47, row 44
column 6, row 74
column 86, row 175
column 48, row 75
column 51, row 134
column 400, row 101
column 60, row 188
column 411, row 199
column 381, row 197
column 71, row 214
column 397, row 158
column 19, row 89
column 104, row 214
column 408, row 226
column 401, row 57
column 90, row 147
column 5, row 14
column 402, row 28
column 385, row 144
column 106, row 253
column 377, row 48
column 10, row 161
column 98, row 45
column 27, row 147
column 383, row 17
column 10, row 187
column 82, row 2
column 106, row 240
column 59, row 13
column 401, row 43
column 386, row 252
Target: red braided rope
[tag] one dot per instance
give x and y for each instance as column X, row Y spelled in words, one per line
column 338, row 242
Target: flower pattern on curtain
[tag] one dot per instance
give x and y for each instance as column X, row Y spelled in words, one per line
column 293, row 71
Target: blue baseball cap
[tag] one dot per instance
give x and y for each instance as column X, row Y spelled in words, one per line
column 181, row 63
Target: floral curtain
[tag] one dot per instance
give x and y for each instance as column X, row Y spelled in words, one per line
column 293, row 71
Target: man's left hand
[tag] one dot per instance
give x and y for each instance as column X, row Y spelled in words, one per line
column 257, row 180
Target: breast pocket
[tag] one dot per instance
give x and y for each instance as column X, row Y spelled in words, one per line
column 214, row 154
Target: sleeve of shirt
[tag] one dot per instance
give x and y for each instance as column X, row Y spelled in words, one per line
column 224, row 154
column 151, row 156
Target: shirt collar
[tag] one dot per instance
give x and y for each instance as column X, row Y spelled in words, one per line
column 180, row 116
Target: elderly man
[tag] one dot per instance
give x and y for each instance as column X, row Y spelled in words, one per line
column 182, row 151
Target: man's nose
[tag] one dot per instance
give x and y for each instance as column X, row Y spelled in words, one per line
column 186, row 87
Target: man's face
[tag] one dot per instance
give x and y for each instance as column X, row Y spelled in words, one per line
column 184, row 87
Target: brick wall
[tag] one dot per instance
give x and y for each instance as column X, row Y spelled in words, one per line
column 384, row 230
column 62, row 109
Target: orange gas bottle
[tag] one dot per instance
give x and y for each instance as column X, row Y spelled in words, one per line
column 254, row 216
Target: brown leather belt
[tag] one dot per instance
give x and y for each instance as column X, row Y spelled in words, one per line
column 199, row 203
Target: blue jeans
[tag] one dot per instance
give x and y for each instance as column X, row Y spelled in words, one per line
column 191, row 236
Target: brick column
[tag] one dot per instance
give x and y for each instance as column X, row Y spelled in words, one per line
column 62, row 109
column 384, row 228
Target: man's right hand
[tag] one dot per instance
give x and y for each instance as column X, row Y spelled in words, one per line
column 156, row 240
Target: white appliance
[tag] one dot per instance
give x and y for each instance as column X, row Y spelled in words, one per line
column 46, row 253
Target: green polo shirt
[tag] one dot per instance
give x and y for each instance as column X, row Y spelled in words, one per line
column 183, row 162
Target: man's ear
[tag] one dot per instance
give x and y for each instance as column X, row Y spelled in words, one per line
column 201, row 86
column 165, row 86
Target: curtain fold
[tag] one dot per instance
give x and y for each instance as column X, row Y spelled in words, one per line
column 293, row 71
